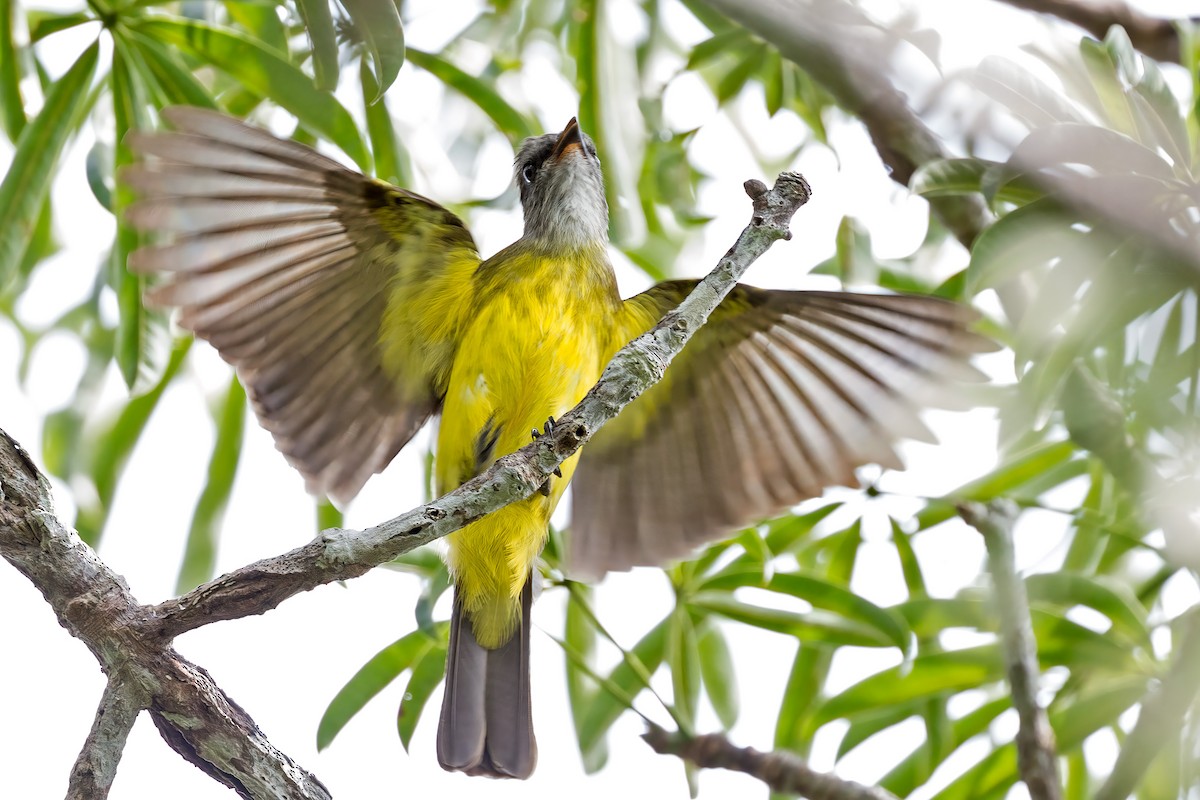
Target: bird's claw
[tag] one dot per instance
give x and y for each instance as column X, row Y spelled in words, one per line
column 544, row 489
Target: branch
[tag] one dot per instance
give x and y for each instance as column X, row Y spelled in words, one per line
column 785, row 773
column 133, row 642
column 96, row 766
column 1154, row 36
column 1035, row 740
column 196, row 718
column 341, row 554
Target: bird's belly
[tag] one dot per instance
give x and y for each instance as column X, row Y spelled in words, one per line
column 523, row 359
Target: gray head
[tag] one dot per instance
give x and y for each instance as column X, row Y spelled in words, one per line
column 562, row 189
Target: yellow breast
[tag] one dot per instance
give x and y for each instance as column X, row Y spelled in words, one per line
column 530, row 349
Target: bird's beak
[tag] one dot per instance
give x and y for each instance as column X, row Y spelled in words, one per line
column 571, row 137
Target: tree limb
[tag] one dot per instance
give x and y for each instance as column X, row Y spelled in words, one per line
column 1036, row 756
column 1154, row 36
column 780, row 771
column 96, row 766
column 133, row 642
column 198, row 720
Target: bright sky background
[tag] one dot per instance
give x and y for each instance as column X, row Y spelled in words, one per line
column 286, row 666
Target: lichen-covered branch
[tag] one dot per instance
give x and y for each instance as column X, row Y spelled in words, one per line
column 96, row 766
column 1154, row 36
column 133, row 642
column 1036, row 753
column 196, row 718
column 785, row 773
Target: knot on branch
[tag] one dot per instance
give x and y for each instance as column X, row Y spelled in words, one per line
column 774, row 208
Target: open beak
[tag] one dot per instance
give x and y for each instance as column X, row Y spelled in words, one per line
column 569, row 138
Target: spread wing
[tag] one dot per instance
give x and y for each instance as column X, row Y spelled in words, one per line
column 780, row 395
column 335, row 296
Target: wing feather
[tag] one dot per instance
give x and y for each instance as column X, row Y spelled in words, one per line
column 309, row 278
column 780, row 395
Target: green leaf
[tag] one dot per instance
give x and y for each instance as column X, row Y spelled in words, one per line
column 175, row 82
column 43, row 23
column 27, row 182
column 914, row 580
column 1027, row 97
column 427, row 672
column 318, row 24
column 784, row 533
column 391, row 159
column 584, row 35
column 1105, row 151
column 383, row 668
column 1160, row 114
column 997, row 771
column 1018, row 471
column 683, row 659
column 200, row 552
column 12, row 104
column 919, row 765
column 826, row 595
column 949, row 177
column 378, row 23
column 435, row 586
column 718, row 45
column 605, row 709
column 580, row 636
column 1110, row 89
column 775, row 79
column 872, row 722
column 814, row 626
column 930, row 675
column 1111, row 598
column 716, row 668
column 262, row 71
column 142, row 335
column 1033, row 235
column 261, row 20
column 508, row 119
column 731, row 82
column 98, row 166
column 329, row 516
column 793, row 727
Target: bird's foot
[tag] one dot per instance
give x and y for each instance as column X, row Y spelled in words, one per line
column 544, row 489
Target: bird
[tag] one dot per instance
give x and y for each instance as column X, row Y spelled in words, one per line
column 353, row 311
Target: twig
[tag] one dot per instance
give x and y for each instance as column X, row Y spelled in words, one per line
column 1156, row 37
column 1161, row 717
column 193, row 715
column 96, row 766
column 781, row 772
column 341, row 554
column 1036, row 755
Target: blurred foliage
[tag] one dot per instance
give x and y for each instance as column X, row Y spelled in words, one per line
column 1093, row 255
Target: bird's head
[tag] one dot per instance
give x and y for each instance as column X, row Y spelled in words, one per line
column 562, row 189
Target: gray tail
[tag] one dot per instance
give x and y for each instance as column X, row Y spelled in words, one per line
column 486, row 727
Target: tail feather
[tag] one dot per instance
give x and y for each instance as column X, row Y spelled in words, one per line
column 486, row 727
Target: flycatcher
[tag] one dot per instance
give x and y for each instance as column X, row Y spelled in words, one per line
column 354, row 311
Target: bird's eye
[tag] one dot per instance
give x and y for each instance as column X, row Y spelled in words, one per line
column 527, row 173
